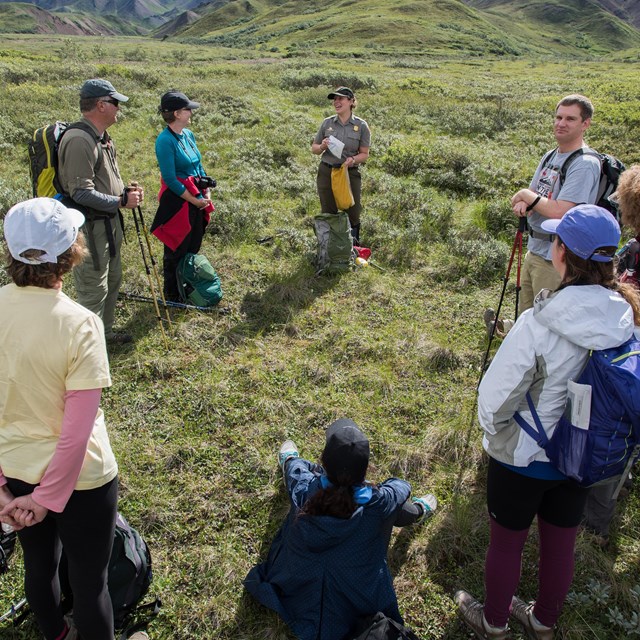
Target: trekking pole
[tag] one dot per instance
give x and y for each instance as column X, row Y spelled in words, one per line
column 148, row 270
column 517, row 246
column 154, row 266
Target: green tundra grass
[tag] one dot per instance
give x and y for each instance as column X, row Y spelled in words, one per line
column 196, row 424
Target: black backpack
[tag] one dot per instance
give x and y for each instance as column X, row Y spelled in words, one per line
column 7, row 545
column 610, row 170
column 130, row 572
column 43, row 157
column 379, row 627
column 129, row 579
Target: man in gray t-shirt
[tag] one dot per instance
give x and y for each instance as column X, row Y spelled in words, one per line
column 547, row 198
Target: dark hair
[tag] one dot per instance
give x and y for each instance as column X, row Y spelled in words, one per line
column 336, row 501
column 168, row 116
column 88, row 104
column 586, row 106
column 628, row 192
column 582, row 272
column 47, row 274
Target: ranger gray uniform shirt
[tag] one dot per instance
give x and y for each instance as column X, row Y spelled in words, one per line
column 354, row 133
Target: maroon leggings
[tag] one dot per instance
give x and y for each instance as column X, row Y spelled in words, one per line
column 513, row 500
column 502, row 571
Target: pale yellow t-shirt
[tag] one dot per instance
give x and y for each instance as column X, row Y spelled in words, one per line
column 49, row 344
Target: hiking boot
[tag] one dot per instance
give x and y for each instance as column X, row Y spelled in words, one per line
column 523, row 613
column 502, row 326
column 429, row 504
column 139, row 635
column 472, row 614
column 489, row 317
column 288, row 450
column 119, row 337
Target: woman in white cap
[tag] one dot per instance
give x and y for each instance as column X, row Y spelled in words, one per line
column 185, row 203
column 354, row 133
column 327, row 566
column 548, row 346
column 58, row 475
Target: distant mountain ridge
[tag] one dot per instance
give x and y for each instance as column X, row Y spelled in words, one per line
column 511, row 27
column 502, row 27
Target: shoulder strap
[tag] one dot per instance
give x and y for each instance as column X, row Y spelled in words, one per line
column 83, row 126
column 538, row 434
column 548, row 156
column 567, row 162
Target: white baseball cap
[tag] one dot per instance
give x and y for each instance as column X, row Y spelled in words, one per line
column 44, row 224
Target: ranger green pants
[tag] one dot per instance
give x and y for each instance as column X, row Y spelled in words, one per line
column 97, row 288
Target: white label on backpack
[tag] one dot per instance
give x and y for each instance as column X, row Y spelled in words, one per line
column 578, row 408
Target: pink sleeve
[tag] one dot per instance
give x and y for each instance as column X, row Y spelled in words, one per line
column 61, row 476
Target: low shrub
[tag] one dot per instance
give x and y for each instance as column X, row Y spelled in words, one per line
column 239, row 218
column 474, row 257
column 300, row 79
column 496, row 218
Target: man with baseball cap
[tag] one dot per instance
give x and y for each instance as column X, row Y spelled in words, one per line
column 89, row 174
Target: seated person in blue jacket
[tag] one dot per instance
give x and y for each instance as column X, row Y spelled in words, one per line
column 327, row 566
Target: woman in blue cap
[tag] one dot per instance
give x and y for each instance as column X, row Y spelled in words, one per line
column 327, row 566
column 548, row 346
column 354, row 133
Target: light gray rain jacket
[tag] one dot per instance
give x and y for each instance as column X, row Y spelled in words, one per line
column 547, row 346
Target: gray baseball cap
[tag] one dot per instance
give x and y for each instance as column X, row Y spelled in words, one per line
column 99, row 88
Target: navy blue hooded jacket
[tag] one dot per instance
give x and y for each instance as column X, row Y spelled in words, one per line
column 323, row 573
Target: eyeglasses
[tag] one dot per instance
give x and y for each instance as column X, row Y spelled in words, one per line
column 112, row 101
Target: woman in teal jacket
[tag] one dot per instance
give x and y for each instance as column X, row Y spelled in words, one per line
column 185, row 205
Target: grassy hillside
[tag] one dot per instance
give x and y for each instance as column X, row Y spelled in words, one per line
column 22, row 17
column 195, row 426
column 584, row 24
column 512, row 28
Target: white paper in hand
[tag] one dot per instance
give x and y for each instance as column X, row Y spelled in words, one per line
column 335, row 146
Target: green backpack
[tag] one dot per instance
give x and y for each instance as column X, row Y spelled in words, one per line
column 335, row 244
column 198, row 283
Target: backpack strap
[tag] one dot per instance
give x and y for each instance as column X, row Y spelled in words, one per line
column 547, row 158
column 570, row 159
column 538, row 434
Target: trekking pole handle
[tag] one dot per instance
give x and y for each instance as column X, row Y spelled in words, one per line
column 522, row 224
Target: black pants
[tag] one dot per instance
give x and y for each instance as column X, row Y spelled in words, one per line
column 85, row 530
column 325, row 193
column 513, row 499
column 191, row 244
